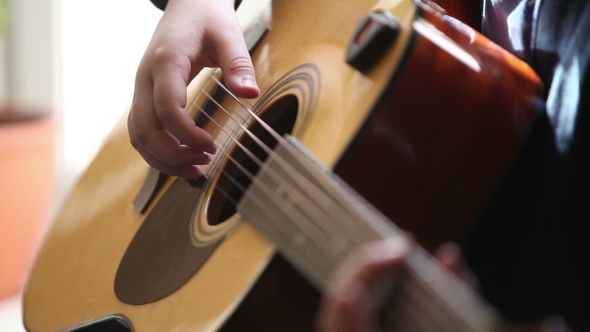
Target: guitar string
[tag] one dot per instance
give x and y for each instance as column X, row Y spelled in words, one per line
column 244, row 190
column 271, row 154
column 280, row 140
column 299, row 178
column 311, row 260
column 286, row 166
column 303, row 182
column 325, row 214
column 309, row 257
column 283, row 164
column 310, row 217
column 230, row 177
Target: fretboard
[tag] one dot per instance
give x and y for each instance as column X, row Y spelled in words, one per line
column 316, row 221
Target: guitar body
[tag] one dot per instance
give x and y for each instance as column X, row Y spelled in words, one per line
column 425, row 134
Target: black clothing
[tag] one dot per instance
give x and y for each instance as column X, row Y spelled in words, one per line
column 529, row 248
column 162, row 3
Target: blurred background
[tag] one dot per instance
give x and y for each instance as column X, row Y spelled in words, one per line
column 67, row 69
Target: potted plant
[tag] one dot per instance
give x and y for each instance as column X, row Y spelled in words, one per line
column 27, row 179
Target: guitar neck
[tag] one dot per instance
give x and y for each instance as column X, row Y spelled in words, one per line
column 316, row 221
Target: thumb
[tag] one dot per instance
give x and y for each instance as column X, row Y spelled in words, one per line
column 236, row 64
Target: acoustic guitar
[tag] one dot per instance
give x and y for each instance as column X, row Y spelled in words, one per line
column 376, row 114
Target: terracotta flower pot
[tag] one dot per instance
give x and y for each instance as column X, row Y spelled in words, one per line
column 27, row 189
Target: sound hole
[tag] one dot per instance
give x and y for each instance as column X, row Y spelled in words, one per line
column 281, row 116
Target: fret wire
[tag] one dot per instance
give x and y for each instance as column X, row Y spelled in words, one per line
column 310, row 258
column 316, row 267
column 316, row 264
column 310, row 238
column 347, row 225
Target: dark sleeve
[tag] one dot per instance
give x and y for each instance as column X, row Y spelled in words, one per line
column 162, row 3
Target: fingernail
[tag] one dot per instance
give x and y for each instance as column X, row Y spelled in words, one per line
column 249, row 82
